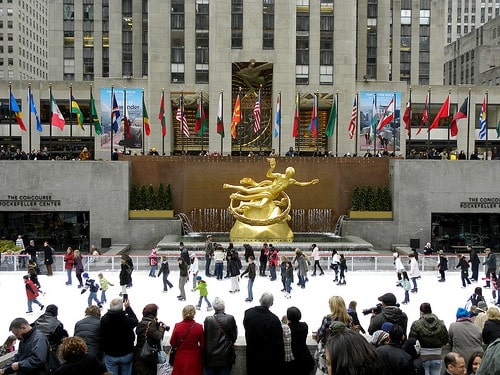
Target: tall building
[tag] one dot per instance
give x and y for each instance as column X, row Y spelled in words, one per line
column 466, row 15
column 24, row 48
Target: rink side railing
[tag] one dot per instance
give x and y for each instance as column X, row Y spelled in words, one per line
column 355, row 262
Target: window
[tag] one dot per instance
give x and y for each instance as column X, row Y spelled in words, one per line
column 302, row 74
column 425, row 17
column 302, row 50
column 177, row 15
column 68, row 12
column 202, row 15
column 177, row 73
column 268, row 24
column 236, row 23
column 88, row 12
column 405, row 17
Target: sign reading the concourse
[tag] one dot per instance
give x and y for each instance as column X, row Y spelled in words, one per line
column 483, row 202
column 33, row 200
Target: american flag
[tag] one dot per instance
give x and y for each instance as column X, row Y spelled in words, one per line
column 354, row 117
column 256, row 115
column 181, row 117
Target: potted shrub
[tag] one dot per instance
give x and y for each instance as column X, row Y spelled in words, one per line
column 146, row 203
column 370, row 203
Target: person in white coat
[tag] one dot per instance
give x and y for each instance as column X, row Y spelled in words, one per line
column 414, row 272
column 398, row 266
column 193, row 270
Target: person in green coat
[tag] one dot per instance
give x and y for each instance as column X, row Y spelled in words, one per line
column 202, row 287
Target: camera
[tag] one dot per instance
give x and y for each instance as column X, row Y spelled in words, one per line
column 125, row 297
column 167, row 328
column 375, row 310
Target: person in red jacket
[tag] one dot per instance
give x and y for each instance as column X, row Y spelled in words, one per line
column 31, row 293
column 69, row 262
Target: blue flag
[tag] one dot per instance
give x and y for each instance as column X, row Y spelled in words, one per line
column 34, row 111
column 115, row 114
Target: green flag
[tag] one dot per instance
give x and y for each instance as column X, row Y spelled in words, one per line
column 330, row 126
column 95, row 118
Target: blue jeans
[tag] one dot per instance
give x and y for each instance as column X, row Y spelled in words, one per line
column 103, row 296
column 414, row 281
column 288, row 285
column 30, row 304
column 250, row 291
column 302, row 280
column 69, row 272
column 93, row 297
column 152, row 271
column 218, row 270
column 432, row 367
column 218, row 370
column 272, row 269
column 208, row 260
column 206, row 300
column 119, row 365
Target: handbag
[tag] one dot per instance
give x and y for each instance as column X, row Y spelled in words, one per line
column 162, row 357
column 173, row 349
column 52, row 362
column 149, row 353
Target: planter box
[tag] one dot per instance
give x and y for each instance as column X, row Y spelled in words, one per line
column 371, row 215
column 150, row 214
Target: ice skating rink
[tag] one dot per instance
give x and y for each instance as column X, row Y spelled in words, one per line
column 363, row 287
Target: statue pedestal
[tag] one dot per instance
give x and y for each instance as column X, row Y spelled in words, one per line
column 280, row 232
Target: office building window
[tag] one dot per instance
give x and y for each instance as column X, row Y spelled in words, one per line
column 236, row 23
column 68, row 11
column 268, row 24
column 145, row 49
column 326, row 60
column 202, row 15
column 302, row 74
column 202, row 41
column 177, row 15
column 127, row 39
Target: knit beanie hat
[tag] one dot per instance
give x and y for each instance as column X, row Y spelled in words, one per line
column 379, row 338
column 462, row 313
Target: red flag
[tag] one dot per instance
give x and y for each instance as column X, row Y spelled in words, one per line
column 181, row 117
column 462, row 113
column 313, row 124
column 161, row 116
column 407, row 117
column 388, row 115
column 354, row 117
column 236, row 116
column 256, row 115
column 444, row 111
column 425, row 114
column 296, row 118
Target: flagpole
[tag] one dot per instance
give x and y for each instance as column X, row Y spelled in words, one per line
column 409, row 129
column 486, row 155
column 91, row 122
column 10, row 111
column 201, row 111
column 427, row 124
column 468, row 125
column 316, row 122
column 279, row 127
column 181, row 106
column 124, row 120
column 336, row 99
column 51, row 113
column 222, row 119
column 239, row 123
column 298, row 127
column 111, row 122
column 260, row 105
column 374, row 128
column 143, row 128
column 448, row 124
column 162, row 136
column 394, row 127
column 70, row 111
column 29, row 127
column 356, row 126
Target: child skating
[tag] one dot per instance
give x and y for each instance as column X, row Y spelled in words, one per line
column 105, row 284
column 31, row 294
column 93, row 287
column 405, row 283
column 202, row 287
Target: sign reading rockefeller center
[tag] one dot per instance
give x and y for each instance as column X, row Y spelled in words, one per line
column 482, row 202
column 30, row 201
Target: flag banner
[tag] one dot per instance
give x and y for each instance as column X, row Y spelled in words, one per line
column 256, row 115
column 354, row 118
column 378, row 120
column 181, row 117
column 57, row 117
column 35, row 112
column 94, row 117
column 296, row 117
column 113, row 114
column 220, row 118
column 145, row 117
column 425, row 114
column 482, row 120
column 388, row 116
column 443, row 112
column 313, row 124
column 277, row 124
column 75, row 109
column 200, row 125
column 461, row 114
column 14, row 107
column 332, row 119
column 407, row 117
column 236, row 117
column 162, row 117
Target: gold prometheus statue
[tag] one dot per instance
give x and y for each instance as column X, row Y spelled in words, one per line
column 261, row 209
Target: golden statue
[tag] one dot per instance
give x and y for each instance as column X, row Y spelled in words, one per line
column 264, row 207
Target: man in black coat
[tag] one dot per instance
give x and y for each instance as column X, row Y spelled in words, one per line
column 474, row 261
column 118, row 336
column 265, row 352
column 390, row 312
column 397, row 361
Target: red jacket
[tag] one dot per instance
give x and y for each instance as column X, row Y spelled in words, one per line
column 69, row 261
column 188, row 355
column 31, row 289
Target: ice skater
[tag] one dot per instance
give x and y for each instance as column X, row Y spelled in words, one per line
column 342, row 269
column 335, row 265
column 405, row 283
column 165, row 270
column 398, row 266
column 93, row 288
column 315, row 256
column 414, row 272
column 251, row 271
column 464, row 269
column 202, row 288
column 288, row 279
column 194, row 269
column 105, row 284
column 31, row 294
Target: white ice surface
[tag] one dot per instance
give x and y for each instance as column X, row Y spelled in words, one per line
column 364, row 287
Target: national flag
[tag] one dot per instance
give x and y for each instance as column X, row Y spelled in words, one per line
column 407, row 117
column 277, row 124
column 388, row 115
column 462, row 113
column 220, row 118
column 94, row 117
column 256, row 115
column 115, row 114
column 296, row 118
column 332, row 119
column 162, row 117
column 236, row 116
column 35, row 112
column 354, row 118
column 181, row 117
column 200, row 125
column 425, row 114
column 444, row 111
column 482, row 120
column 76, row 110
column 373, row 127
column 313, row 124
column 14, row 107
column 57, row 117
column 145, row 117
